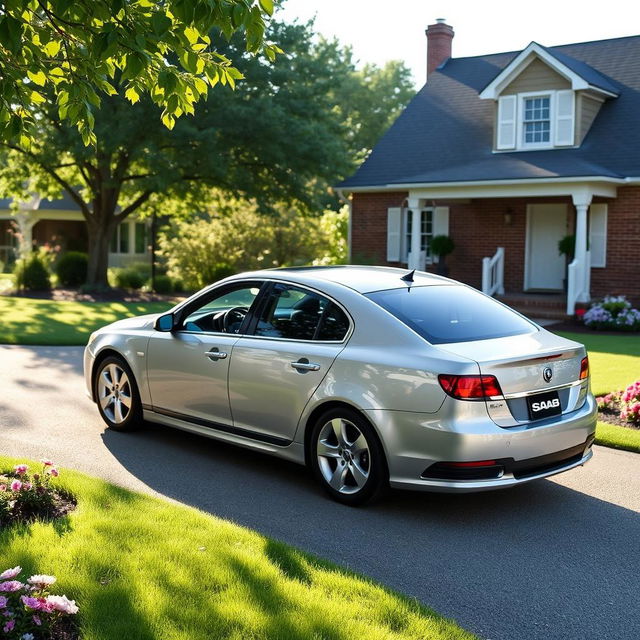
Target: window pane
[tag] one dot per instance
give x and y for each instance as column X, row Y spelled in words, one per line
column 335, row 324
column 210, row 315
column 444, row 313
column 124, row 238
column 141, row 237
column 291, row 313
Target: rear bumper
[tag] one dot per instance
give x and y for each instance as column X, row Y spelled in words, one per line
column 415, row 442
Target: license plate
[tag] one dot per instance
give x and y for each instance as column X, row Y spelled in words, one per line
column 544, row 405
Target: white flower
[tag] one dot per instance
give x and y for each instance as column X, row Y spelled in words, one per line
column 10, row 573
column 62, row 603
column 41, row 581
column 27, row 636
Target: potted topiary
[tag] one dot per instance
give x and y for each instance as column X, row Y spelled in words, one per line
column 442, row 246
column 567, row 248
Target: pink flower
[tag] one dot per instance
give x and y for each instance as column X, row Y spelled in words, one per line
column 41, row 581
column 62, row 603
column 33, row 603
column 47, row 463
column 36, row 620
column 21, row 469
column 11, row 585
column 3, row 487
column 16, row 485
column 9, row 626
column 54, row 472
column 26, row 486
column 10, row 573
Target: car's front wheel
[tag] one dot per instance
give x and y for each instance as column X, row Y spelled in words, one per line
column 347, row 457
column 116, row 394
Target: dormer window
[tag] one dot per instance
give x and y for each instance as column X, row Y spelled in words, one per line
column 536, row 122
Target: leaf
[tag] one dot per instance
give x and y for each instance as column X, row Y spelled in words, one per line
column 267, row 6
column 39, row 78
column 169, row 121
column 192, row 35
column 132, row 95
column 160, row 23
column 52, row 48
column 38, row 98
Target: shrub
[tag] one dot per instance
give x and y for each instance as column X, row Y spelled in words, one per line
column 162, row 284
column 442, row 246
column 72, row 268
column 128, row 278
column 613, row 312
column 31, row 274
column 631, row 404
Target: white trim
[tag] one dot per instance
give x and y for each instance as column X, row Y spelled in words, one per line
column 522, row 61
column 521, row 145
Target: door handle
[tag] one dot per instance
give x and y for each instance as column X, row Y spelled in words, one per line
column 304, row 365
column 214, row 354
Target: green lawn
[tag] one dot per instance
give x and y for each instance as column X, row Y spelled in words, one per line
column 45, row 322
column 615, row 363
column 141, row 568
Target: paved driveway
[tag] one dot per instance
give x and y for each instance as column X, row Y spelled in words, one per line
column 554, row 559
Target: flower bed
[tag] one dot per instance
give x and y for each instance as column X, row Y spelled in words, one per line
column 29, row 612
column 621, row 407
column 613, row 312
column 25, row 497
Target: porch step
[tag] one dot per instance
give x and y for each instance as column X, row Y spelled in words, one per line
column 547, row 306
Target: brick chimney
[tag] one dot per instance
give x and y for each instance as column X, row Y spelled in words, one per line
column 439, row 37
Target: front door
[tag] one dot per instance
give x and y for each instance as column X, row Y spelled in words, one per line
column 544, row 265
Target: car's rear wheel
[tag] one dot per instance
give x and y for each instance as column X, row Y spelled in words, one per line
column 117, row 394
column 347, row 457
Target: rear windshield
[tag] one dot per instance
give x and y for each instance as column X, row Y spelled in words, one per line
column 451, row 313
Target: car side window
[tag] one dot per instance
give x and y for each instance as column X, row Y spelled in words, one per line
column 223, row 313
column 294, row 313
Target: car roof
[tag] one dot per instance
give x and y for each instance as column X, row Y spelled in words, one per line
column 363, row 279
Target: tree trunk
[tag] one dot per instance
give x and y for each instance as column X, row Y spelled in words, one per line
column 99, row 241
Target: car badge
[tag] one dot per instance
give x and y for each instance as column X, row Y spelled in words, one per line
column 547, row 374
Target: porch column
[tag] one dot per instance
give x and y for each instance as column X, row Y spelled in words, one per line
column 26, row 222
column 414, row 249
column 579, row 269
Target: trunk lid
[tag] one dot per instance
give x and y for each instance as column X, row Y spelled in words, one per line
column 529, row 368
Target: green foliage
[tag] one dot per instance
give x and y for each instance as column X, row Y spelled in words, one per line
column 567, row 247
column 162, row 284
column 128, row 278
column 72, row 268
column 31, row 273
column 70, row 55
column 442, row 246
column 204, row 250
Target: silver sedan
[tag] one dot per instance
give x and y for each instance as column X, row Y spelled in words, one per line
column 371, row 376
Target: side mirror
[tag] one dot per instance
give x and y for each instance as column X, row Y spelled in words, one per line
column 165, row 323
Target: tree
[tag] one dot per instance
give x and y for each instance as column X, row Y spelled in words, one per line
column 81, row 49
column 275, row 139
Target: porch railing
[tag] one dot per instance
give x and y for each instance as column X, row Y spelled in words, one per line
column 578, row 282
column 493, row 273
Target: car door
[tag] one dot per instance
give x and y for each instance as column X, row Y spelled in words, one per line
column 274, row 372
column 187, row 369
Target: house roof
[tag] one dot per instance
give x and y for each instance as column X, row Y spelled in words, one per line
column 446, row 132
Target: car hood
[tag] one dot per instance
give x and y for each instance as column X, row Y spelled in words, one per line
column 136, row 322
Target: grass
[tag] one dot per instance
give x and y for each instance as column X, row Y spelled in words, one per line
column 45, row 322
column 141, row 568
column 611, row 435
column 614, row 361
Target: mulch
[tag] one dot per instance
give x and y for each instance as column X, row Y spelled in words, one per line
column 613, row 417
column 109, row 295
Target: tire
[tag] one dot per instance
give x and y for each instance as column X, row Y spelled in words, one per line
column 116, row 394
column 347, row 458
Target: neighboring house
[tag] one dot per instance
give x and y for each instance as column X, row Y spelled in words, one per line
column 59, row 223
column 507, row 154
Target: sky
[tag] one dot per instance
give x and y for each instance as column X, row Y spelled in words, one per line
column 381, row 30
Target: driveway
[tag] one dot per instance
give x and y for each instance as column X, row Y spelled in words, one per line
column 555, row 559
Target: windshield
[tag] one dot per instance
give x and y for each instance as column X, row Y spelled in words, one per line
column 451, row 313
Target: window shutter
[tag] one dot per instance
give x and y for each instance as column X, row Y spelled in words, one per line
column 441, row 221
column 598, row 234
column 506, row 128
column 565, row 105
column 394, row 235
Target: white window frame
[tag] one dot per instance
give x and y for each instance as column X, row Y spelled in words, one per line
column 522, row 98
column 405, row 244
column 130, row 226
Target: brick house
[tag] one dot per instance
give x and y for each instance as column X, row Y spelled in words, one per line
column 60, row 223
column 507, row 154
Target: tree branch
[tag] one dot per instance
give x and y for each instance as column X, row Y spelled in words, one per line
column 75, row 196
column 140, row 200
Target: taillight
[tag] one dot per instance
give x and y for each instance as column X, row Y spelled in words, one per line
column 584, row 368
column 469, row 387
